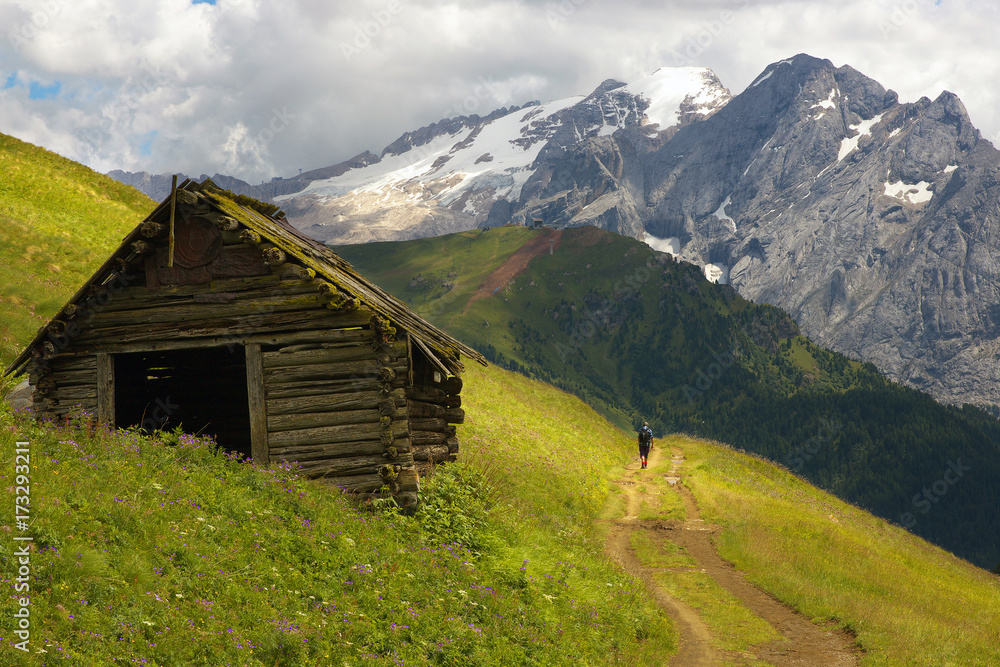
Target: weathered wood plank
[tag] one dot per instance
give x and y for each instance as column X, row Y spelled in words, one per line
column 234, row 327
column 423, row 438
column 342, row 450
column 353, row 465
column 435, row 425
column 62, row 363
column 454, row 415
column 280, row 390
column 421, row 410
column 360, row 352
column 436, row 396
column 106, row 390
column 294, row 422
column 245, row 284
column 72, row 393
column 428, row 424
column 88, row 376
column 435, row 453
column 327, row 402
column 258, row 406
column 452, row 385
column 282, row 359
column 190, row 312
column 408, row 481
column 238, row 289
column 60, row 411
column 333, row 434
column 346, row 369
column 359, row 484
column 216, row 341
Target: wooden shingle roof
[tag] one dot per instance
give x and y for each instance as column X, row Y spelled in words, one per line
column 440, row 346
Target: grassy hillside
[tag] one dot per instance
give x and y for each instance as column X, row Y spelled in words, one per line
column 907, row 601
column 173, row 555
column 59, row 221
column 639, row 337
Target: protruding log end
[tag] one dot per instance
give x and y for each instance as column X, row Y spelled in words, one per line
column 152, row 230
column 250, row 237
column 273, row 256
column 226, row 223
column 141, row 247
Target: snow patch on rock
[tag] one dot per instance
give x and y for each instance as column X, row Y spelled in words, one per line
column 863, row 129
column 917, row 193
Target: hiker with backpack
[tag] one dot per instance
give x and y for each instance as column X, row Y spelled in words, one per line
column 645, row 443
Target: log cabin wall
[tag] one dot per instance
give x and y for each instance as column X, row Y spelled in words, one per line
column 64, row 385
column 327, row 376
column 339, row 409
column 433, row 405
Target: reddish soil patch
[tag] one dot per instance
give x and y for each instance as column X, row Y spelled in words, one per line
column 516, row 264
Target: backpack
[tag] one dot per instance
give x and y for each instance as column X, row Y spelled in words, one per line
column 645, row 435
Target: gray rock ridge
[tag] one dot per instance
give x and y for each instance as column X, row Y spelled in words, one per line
column 157, row 186
column 873, row 223
column 425, row 181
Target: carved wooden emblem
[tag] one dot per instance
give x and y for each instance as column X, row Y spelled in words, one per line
column 196, row 243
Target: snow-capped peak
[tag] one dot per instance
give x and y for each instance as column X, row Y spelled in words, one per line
column 672, row 91
column 463, row 166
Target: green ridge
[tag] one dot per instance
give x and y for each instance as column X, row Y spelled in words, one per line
column 638, row 337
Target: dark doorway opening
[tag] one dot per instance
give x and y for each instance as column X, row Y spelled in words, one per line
column 203, row 390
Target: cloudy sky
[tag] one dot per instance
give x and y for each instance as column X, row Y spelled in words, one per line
column 261, row 88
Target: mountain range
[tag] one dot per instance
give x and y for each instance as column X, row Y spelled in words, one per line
column 872, row 222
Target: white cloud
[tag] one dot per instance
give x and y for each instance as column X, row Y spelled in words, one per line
column 257, row 88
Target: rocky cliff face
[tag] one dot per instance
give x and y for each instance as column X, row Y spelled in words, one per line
column 873, row 223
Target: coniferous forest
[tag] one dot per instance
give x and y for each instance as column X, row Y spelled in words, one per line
column 641, row 336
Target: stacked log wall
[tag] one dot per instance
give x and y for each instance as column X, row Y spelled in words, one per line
column 324, row 383
column 63, row 385
column 339, row 410
column 434, row 408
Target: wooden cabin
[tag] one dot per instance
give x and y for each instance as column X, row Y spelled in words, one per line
column 217, row 315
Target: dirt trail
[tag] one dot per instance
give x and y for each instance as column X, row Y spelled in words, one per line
column 516, row 263
column 803, row 643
